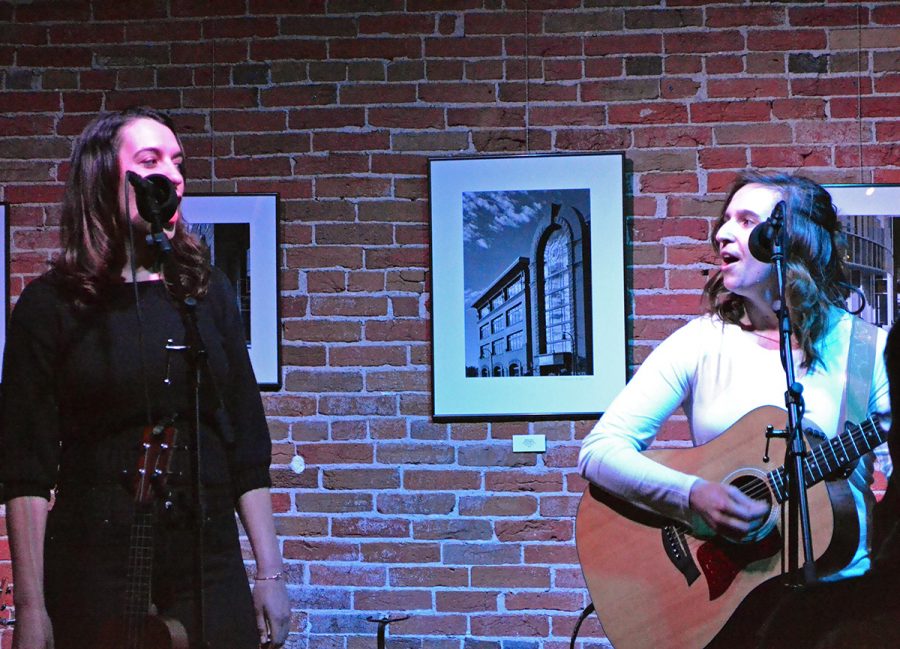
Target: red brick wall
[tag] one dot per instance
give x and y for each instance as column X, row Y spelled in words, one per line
column 337, row 106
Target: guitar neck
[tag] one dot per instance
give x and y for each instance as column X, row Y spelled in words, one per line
column 140, row 565
column 832, row 456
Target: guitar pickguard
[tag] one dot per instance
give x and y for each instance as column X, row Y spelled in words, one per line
column 722, row 561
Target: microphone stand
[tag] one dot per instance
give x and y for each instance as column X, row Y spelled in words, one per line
column 795, row 448
column 157, row 202
column 157, row 239
column 196, row 354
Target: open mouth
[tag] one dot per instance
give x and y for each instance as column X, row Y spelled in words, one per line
column 728, row 258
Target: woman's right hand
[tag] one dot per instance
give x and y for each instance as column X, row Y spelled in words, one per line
column 32, row 629
column 727, row 510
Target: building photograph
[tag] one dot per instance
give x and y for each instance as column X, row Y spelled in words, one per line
column 533, row 317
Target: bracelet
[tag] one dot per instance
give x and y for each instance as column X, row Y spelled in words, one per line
column 276, row 576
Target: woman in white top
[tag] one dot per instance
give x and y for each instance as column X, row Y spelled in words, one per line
column 721, row 365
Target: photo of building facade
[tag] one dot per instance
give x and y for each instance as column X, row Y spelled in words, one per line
column 535, row 318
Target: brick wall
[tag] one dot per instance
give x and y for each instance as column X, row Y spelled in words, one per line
column 337, row 105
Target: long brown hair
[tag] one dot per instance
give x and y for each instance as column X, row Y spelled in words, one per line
column 815, row 252
column 94, row 231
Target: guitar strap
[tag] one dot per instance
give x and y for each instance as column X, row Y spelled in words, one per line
column 860, row 365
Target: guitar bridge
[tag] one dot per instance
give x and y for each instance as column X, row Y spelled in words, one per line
column 676, row 547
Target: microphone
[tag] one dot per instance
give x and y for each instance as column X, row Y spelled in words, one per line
column 763, row 236
column 156, row 198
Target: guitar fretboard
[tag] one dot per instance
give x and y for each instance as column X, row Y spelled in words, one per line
column 832, row 456
column 140, row 572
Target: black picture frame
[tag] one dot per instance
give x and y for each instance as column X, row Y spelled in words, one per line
column 4, row 276
column 242, row 231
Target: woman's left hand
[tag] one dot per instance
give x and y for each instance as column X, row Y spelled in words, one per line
column 273, row 612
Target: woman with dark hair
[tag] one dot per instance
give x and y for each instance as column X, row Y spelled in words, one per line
column 722, row 365
column 100, row 362
column 96, row 242
column 816, row 274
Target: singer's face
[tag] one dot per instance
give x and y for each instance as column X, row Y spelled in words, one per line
column 147, row 147
column 742, row 273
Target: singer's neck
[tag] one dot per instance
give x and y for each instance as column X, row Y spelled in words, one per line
column 144, row 260
column 142, row 267
column 763, row 321
column 142, row 274
column 759, row 316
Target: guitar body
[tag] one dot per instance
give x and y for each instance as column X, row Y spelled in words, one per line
column 149, row 632
column 648, row 597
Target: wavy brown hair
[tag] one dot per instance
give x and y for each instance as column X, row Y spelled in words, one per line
column 815, row 249
column 95, row 233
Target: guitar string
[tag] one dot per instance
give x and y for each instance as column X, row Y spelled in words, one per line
column 693, row 542
column 857, row 435
column 818, row 456
column 140, row 562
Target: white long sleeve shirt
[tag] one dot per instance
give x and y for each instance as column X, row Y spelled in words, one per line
column 719, row 372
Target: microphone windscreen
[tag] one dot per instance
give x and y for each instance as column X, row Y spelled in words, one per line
column 155, row 196
column 761, row 239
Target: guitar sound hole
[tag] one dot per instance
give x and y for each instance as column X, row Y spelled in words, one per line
column 754, row 487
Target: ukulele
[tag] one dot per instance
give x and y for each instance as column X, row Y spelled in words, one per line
column 139, row 627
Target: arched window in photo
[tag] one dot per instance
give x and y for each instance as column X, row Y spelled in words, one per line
column 562, row 341
column 557, row 287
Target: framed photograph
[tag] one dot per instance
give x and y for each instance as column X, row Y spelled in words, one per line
column 528, row 276
column 241, row 231
column 867, row 214
column 4, row 276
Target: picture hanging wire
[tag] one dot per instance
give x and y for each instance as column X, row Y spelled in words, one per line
column 212, row 112
column 859, row 81
column 527, row 78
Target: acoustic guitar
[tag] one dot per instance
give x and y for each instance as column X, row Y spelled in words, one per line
column 657, row 585
column 139, row 627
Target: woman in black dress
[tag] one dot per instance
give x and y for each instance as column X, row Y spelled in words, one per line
column 87, row 371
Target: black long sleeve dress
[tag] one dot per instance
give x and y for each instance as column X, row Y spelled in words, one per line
column 78, row 390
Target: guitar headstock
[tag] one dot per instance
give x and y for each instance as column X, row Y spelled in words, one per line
column 157, row 445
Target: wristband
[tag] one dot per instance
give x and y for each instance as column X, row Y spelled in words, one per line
column 276, row 576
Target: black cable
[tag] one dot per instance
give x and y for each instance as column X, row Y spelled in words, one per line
column 581, row 618
column 137, row 305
